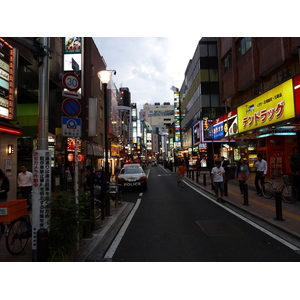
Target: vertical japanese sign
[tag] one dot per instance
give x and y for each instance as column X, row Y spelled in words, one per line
column 41, row 189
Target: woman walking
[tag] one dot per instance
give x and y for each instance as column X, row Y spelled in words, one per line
column 241, row 173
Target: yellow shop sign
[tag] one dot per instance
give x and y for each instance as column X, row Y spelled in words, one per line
column 271, row 107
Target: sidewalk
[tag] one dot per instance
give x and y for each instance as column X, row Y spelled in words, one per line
column 86, row 245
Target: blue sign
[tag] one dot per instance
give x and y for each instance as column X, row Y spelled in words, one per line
column 71, row 107
column 71, row 127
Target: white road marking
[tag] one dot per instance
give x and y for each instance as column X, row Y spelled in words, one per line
column 279, row 239
column 112, row 249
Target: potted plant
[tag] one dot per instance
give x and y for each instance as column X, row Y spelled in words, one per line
column 65, row 224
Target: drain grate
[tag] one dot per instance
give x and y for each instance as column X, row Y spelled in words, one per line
column 219, row 228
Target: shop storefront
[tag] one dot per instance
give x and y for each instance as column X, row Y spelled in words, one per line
column 265, row 126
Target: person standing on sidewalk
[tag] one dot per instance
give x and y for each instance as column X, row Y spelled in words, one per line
column 224, row 164
column 241, row 173
column 261, row 171
column 218, row 177
column 4, row 187
column 181, row 172
column 25, row 181
column 295, row 161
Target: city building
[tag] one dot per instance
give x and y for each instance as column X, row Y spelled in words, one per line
column 20, row 61
column 159, row 117
column 200, row 104
column 259, row 78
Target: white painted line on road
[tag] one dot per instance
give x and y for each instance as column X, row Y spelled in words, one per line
column 279, row 239
column 112, row 249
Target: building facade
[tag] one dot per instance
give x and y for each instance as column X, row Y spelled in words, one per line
column 200, row 103
column 259, row 78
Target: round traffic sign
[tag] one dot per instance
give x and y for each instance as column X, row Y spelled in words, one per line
column 71, row 82
column 71, row 107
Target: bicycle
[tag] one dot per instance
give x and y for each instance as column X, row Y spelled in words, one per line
column 19, row 229
column 288, row 192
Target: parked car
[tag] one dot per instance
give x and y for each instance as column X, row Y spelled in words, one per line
column 133, row 176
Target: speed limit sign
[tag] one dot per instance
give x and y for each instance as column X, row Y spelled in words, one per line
column 71, row 82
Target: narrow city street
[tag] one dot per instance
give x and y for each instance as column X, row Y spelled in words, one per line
column 178, row 224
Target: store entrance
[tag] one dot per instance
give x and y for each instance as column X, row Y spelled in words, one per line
column 276, row 163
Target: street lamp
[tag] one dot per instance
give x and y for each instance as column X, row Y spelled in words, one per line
column 105, row 77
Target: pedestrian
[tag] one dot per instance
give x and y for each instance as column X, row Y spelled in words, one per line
column 198, row 166
column 224, row 164
column 217, row 177
column 261, row 171
column 181, row 172
column 241, row 173
column 97, row 178
column 25, row 181
column 295, row 161
column 4, row 187
column 89, row 180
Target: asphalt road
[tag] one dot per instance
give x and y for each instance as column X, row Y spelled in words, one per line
column 178, row 224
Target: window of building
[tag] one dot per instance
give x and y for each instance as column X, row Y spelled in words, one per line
column 204, row 75
column 227, row 62
column 243, row 45
column 213, row 74
column 203, row 50
column 212, row 50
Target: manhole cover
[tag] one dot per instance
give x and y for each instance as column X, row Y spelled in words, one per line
column 219, row 228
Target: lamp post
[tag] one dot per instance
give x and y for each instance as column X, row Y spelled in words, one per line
column 105, row 77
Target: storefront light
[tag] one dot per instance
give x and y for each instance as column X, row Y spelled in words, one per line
column 275, row 133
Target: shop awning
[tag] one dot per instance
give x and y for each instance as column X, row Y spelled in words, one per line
column 94, row 150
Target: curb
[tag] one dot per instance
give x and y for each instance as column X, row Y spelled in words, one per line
column 97, row 238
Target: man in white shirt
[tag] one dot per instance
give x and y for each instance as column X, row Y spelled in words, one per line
column 217, row 177
column 261, row 171
column 25, row 181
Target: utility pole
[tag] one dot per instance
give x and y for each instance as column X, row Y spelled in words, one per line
column 41, row 167
column 43, row 116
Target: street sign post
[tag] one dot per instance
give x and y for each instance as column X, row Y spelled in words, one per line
column 71, row 127
column 71, row 107
column 71, row 82
column 71, row 95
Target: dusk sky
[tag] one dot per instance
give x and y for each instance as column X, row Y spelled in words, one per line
column 148, row 66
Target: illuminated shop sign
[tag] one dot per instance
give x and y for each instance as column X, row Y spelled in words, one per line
column 114, row 149
column 271, row 107
column 203, row 147
column 7, row 65
column 296, row 81
column 226, row 125
column 196, row 133
column 72, row 49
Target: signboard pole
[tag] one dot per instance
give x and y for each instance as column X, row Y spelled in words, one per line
column 41, row 165
column 76, row 171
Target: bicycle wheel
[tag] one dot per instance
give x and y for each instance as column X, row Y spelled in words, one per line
column 289, row 193
column 17, row 235
column 267, row 189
